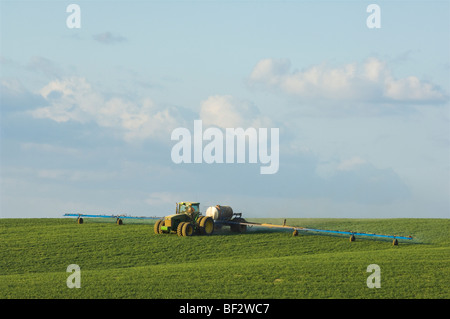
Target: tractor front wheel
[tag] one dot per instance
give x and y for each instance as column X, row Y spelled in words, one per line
column 157, row 226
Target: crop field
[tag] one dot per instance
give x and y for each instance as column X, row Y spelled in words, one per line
column 130, row 261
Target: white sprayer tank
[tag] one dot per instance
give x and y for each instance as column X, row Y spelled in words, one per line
column 220, row 212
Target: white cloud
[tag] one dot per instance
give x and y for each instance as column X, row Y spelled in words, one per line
column 74, row 99
column 412, row 89
column 226, row 111
column 350, row 164
column 371, row 81
column 69, row 99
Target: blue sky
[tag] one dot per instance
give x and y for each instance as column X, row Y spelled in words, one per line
column 87, row 113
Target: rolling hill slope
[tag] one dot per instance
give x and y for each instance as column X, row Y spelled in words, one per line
column 130, row 261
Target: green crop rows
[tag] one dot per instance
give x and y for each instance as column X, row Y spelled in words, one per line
column 130, row 261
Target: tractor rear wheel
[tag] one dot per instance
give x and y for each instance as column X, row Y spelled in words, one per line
column 198, row 229
column 187, row 230
column 207, row 225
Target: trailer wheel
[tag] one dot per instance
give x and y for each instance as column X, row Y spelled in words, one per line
column 180, row 229
column 187, row 229
column 207, row 225
column 238, row 228
column 119, row 221
column 80, row 220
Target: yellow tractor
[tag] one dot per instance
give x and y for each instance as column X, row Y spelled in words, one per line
column 186, row 221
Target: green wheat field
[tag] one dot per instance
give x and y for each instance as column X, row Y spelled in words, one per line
column 130, row 261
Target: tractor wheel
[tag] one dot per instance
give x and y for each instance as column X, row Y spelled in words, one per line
column 163, row 222
column 197, row 229
column 207, row 226
column 187, row 230
column 180, row 229
column 119, row 221
column 157, row 226
column 80, row 220
column 199, row 220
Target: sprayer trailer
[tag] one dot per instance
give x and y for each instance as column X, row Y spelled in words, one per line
column 224, row 216
column 188, row 221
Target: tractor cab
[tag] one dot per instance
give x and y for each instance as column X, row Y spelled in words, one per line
column 190, row 208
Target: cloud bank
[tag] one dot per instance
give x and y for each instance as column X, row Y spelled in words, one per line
column 371, row 81
column 74, row 99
